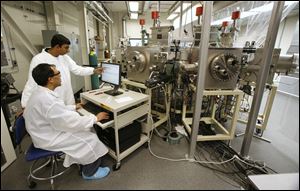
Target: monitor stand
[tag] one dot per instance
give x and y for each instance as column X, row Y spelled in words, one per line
column 113, row 92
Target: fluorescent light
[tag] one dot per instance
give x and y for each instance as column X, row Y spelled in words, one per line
column 133, row 15
column 172, row 16
column 133, row 6
column 184, row 6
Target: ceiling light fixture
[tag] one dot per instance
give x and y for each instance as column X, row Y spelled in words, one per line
column 133, row 15
column 133, row 6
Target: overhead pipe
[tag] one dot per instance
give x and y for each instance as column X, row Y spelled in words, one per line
column 172, row 8
column 143, row 6
column 180, row 23
column 102, row 10
column 158, row 9
column 127, row 8
column 45, row 10
column 98, row 12
column 98, row 19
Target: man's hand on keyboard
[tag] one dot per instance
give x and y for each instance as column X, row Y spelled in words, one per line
column 78, row 106
column 102, row 115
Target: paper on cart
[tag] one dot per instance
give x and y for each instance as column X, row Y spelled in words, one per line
column 123, row 99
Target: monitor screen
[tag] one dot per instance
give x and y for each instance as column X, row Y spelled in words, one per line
column 111, row 73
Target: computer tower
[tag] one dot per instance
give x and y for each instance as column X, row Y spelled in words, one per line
column 128, row 136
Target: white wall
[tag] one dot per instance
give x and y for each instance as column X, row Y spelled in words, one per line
column 133, row 26
column 67, row 17
column 286, row 33
column 116, row 32
column 32, row 24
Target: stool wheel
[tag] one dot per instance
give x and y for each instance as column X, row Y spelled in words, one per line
column 32, row 184
column 116, row 166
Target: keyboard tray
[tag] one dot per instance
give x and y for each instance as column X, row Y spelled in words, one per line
column 90, row 107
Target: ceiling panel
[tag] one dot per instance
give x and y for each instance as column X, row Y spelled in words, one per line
column 120, row 6
column 165, row 6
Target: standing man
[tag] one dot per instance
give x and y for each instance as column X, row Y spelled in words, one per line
column 57, row 55
column 54, row 126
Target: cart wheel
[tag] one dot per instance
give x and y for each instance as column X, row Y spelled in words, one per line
column 48, row 164
column 116, row 167
column 32, row 184
column 258, row 131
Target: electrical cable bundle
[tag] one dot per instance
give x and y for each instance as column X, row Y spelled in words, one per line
column 236, row 170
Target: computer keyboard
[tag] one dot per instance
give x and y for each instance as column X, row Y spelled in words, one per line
column 95, row 109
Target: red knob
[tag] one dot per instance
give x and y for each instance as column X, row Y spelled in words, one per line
column 142, row 22
column 199, row 11
column 235, row 15
column 155, row 14
column 225, row 24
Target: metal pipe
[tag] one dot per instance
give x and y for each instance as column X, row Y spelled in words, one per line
column 102, row 10
column 203, row 51
column 173, row 7
column 123, row 27
column 94, row 6
column 143, row 6
column 127, row 8
column 263, row 74
column 158, row 9
column 180, row 23
column 98, row 19
column 158, row 6
column 45, row 10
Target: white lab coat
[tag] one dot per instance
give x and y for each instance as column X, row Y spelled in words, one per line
column 54, row 126
column 64, row 64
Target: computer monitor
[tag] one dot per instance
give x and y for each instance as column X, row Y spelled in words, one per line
column 111, row 75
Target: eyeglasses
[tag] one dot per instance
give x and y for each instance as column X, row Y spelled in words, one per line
column 56, row 74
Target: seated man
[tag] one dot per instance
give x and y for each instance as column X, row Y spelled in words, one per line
column 55, row 126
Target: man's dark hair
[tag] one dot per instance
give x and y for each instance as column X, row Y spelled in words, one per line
column 59, row 39
column 41, row 73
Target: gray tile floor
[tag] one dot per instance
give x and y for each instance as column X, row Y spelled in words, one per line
column 142, row 170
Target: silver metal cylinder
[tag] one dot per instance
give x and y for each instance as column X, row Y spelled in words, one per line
column 189, row 67
column 123, row 27
column 287, row 63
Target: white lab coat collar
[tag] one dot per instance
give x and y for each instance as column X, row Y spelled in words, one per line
column 45, row 52
column 41, row 88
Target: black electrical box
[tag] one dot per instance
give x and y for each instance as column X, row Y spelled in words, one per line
column 128, row 136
